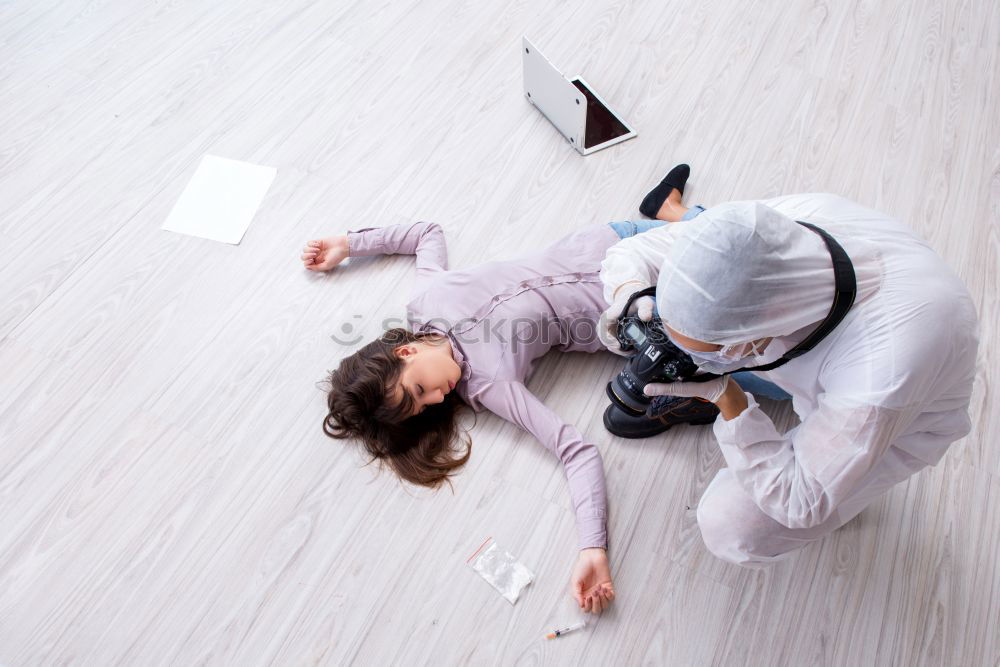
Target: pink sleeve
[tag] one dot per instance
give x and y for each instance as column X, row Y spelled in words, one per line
column 581, row 459
column 423, row 239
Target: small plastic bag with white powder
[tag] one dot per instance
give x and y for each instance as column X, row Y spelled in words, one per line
column 503, row 572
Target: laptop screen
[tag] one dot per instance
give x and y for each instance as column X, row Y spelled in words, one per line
column 602, row 125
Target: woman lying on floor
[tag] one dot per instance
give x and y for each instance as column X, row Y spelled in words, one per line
column 474, row 338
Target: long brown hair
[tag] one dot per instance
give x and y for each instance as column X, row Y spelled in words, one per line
column 419, row 449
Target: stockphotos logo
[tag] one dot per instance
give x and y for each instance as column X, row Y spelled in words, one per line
column 516, row 332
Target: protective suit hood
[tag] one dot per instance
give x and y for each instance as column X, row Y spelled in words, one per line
column 742, row 271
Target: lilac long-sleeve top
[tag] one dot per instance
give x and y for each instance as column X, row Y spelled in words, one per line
column 501, row 317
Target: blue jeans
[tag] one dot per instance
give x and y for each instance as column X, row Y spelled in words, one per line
column 627, row 228
column 747, row 381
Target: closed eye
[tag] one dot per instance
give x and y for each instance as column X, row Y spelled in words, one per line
column 420, row 390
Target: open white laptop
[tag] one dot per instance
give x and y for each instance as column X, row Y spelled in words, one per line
column 571, row 105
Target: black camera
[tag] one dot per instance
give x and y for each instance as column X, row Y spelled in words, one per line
column 656, row 359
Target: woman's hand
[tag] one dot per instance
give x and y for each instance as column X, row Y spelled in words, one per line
column 591, row 582
column 324, row 254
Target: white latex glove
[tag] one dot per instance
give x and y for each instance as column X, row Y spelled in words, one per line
column 607, row 326
column 710, row 391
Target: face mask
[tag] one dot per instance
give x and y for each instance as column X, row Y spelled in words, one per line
column 729, row 357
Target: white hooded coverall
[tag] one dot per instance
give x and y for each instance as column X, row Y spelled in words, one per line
column 880, row 398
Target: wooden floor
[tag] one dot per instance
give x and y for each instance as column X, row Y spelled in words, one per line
column 167, row 495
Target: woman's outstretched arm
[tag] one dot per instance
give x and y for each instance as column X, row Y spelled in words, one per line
column 581, row 459
column 423, row 239
column 591, row 583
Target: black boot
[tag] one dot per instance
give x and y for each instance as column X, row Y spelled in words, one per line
column 675, row 179
column 662, row 413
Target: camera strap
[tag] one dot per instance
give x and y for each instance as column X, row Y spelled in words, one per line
column 845, row 290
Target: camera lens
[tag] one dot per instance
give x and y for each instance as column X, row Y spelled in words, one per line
column 623, row 393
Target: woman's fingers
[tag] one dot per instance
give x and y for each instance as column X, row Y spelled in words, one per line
column 600, row 599
column 311, row 249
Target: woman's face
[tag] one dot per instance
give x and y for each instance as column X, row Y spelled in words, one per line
column 429, row 372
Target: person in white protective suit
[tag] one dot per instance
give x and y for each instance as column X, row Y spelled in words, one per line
column 879, row 398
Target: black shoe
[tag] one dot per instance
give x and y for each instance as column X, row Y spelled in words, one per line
column 666, row 411
column 675, row 179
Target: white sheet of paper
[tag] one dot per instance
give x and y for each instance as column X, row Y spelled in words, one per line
column 221, row 199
